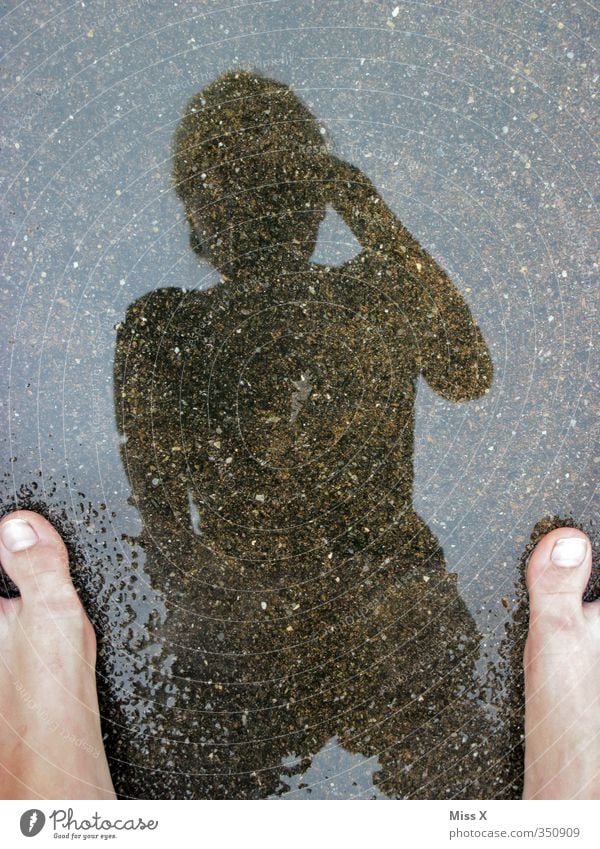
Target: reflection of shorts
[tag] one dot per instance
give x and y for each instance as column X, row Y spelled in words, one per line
column 382, row 658
column 377, row 649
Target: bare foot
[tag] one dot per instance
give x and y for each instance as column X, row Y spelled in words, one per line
column 562, row 681
column 50, row 740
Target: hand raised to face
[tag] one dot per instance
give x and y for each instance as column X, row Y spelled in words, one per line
column 354, row 197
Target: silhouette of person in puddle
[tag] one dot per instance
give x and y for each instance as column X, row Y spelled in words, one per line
column 268, row 428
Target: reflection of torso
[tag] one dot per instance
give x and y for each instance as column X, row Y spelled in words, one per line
column 269, row 447
column 273, row 426
column 296, row 410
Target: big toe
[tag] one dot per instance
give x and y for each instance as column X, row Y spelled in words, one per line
column 35, row 558
column 557, row 575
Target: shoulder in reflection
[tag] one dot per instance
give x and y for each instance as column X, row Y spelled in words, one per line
column 268, row 432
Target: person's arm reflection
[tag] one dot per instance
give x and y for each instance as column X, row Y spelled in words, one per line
column 451, row 351
column 147, row 373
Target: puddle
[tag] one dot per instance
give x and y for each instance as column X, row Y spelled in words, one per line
column 298, row 365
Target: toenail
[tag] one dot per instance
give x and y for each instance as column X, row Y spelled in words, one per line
column 18, row 534
column 570, row 551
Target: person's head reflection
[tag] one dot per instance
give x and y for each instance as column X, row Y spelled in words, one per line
column 249, row 162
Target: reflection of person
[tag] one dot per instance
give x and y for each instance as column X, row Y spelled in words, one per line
column 255, row 176
column 267, row 431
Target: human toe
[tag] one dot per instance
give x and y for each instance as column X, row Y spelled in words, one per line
column 35, row 558
column 557, row 575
